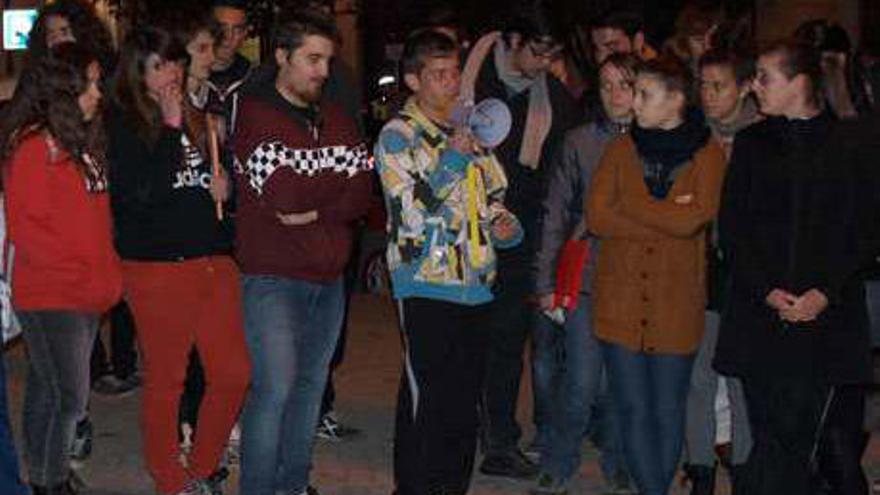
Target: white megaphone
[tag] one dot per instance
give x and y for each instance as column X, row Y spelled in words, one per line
column 488, row 121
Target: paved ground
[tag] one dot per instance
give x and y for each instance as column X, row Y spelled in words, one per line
column 367, row 386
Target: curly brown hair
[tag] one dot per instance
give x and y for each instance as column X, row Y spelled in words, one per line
column 47, row 99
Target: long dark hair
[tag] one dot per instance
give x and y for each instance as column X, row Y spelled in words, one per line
column 129, row 91
column 87, row 30
column 184, row 24
column 47, row 99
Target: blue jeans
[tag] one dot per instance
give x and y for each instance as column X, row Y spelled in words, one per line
column 650, row 393
column 291, row 328
column 567, row 375
column 10, row 481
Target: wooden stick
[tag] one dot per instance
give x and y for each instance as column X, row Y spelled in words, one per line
column 214, row 149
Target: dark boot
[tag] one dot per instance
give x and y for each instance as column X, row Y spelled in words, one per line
column 702, row 479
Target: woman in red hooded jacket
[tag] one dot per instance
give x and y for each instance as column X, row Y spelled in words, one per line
column 66, row 271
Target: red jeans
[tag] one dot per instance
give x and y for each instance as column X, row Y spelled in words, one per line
column 176, row 305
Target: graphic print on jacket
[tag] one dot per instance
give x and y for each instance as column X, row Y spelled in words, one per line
column 441, row 204
column 195, row 172
column 291, row 160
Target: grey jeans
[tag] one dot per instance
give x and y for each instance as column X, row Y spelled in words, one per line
column 701, row 421
column 57, row 392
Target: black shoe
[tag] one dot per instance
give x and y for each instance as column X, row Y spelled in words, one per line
column 66, row 488
column 702, row 479
column 215, row 482
column 512, row 464
column 112, row 386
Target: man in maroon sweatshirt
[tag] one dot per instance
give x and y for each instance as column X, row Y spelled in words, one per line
column 303, row 181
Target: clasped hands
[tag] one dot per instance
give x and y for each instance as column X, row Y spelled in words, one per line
column 795, row 309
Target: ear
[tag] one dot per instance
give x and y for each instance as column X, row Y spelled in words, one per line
column 804, row 84
column 412, row 82
column 681, row 99
column 281, row 56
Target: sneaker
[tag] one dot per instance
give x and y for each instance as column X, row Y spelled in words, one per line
column 533, row 451
column 81, row 448
column 232, row 454
column 620, row 485
column 512, row 464
column 112, row 386
column 548, row 485
column 186, row 438
column 215, row 482
column 329, row 428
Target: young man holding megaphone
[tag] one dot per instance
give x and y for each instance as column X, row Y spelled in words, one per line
column 444, row 194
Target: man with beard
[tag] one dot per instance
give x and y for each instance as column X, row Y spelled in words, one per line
column 303, row 181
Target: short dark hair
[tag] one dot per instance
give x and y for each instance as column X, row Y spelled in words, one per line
column 798, row 58
column 534, row 20
column 824, row 36
column 742, row 64
column 627, row 63
column 423, row 44
column 671, row 72
column 628, row 21
column 186, row 22
column 292, row 27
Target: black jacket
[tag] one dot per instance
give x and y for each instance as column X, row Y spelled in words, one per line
column 867, row 132
column 789, row 219
column 526, row 187
column 162, row 209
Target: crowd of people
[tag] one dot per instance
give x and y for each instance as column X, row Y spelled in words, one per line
column 686, row 236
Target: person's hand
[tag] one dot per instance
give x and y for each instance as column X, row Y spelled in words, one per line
column 505, row 227
column 545, row 302
column 781, row 300
column 219, row 187
column 462, row 141
column 807, row 307
column 170, row 99
column 295, row 219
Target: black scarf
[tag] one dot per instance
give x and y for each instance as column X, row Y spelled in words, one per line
column 663, row 151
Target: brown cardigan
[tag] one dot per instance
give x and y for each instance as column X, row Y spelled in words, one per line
column 649, row 287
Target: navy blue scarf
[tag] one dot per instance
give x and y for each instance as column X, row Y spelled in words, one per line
column 663, row 151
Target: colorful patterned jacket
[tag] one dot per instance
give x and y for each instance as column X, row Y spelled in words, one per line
column 441, row 205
